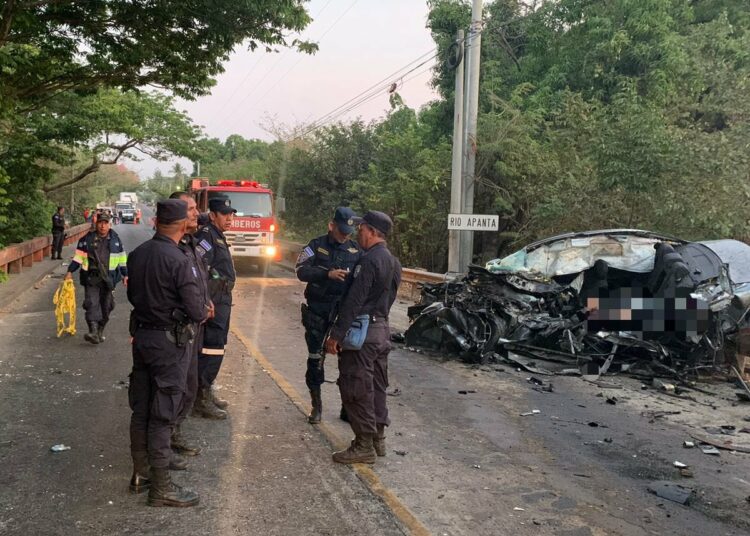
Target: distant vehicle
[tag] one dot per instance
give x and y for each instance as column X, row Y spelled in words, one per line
column 128, row 197
column 125, row 212
column 252, row 234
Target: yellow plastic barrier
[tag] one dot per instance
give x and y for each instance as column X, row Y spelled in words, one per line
column 65, row 303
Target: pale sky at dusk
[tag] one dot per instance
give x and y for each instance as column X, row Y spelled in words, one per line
column 363, row 41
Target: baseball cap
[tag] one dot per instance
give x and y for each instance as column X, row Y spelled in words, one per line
column 344, row 218
column 103, row 216
column 377, row 220
column 222, row 205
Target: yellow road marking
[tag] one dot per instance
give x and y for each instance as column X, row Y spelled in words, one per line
column 365, row 473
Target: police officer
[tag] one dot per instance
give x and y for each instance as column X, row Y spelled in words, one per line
column 187, row 244
column 58, row 233
column 102, row 259
column 167, row 304
column 326, row 265
column 363, row 374
column 212, row 244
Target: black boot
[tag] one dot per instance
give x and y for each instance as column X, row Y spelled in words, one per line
column 204, row 406
column 100, row 331
column 316, row 412
column 342, row 414
column 164, row 492
column 181, row 445
column 218, row 402
column 93, row 335
column 379, row 441
column 177, row 463
column 140, row 482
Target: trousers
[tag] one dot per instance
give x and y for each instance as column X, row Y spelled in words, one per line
column 191, row 380
column 363, row 380
column 156, row 394
column 98, row 302
column 215, row 337
column 315, row 325
column 58, row 238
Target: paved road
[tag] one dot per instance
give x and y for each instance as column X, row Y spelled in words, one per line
column 456, row 464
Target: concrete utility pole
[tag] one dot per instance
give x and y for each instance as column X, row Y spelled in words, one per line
column 474, row 46
column 454, row 237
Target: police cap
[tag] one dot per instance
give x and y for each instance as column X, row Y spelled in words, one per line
column 344, row 219
column 377, row 220
column 222, row 205
column 171, row 210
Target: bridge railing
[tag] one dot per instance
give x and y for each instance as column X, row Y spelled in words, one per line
column 16, row 257
column 410, row 277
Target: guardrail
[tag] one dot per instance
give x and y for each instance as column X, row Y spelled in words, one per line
column 410, row 277
column 16, row 257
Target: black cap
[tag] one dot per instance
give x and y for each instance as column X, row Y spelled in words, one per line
column 377, row 220
column 171, row 210
column 222, row 205
column 344, row 218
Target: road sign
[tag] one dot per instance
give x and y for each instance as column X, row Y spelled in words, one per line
column 473, row 222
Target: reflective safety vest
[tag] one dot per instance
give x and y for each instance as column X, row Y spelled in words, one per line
column 118, row 257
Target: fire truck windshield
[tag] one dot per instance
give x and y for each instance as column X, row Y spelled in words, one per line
column 249, row 204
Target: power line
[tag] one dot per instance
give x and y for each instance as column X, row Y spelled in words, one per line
column 335, row 22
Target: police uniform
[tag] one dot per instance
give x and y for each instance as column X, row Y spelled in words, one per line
column 58, row 234
column 363, row 374
column 321, row 255
column 102, row 261
column 179, row 443
column 213, row 246
column 167, row 303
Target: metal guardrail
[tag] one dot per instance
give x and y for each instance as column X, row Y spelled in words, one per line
column 16, row 257
column 410, row 277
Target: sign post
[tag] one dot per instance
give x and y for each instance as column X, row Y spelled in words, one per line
column 473, row 222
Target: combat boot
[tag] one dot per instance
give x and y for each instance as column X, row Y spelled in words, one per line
column 177, row 463
column 218, row 402
column 164, row 492
column 93, row 335
column 140, row 482
column 342, row 414
column 204, row 407
column 316, row 413
column 379, row 441
column 360, row 451
column 182, row 445
column 100, row 331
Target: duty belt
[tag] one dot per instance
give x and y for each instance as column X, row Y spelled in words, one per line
column 153, row 327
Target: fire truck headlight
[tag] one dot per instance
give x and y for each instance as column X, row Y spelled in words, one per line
column 270, row 251
column 273, row 227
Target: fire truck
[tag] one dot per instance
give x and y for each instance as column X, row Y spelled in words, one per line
column 252, row 233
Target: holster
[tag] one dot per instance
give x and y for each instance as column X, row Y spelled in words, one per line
column 313, row 321
column 133, row 325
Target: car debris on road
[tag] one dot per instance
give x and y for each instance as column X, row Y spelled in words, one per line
column 597, row 302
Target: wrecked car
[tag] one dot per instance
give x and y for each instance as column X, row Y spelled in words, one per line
column 595, row 301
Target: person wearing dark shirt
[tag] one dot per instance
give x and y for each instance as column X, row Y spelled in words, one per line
column 363, row 373
column 187, row 244
column 58, row 233
column 213, row 246
column 165, row 292
column 103, row 262
column 326, row 265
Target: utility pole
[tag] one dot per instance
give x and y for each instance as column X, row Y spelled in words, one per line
column 474, row 45
column 454, row 237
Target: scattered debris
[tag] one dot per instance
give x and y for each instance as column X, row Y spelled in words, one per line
column 679, row 465
column 710, row 449
column 671, row 491
column 476, row 466
column 59, row 448
column 394, row 392
column 466, row 391
column 400, row 452
column 688, row 444
column 532, row 412
column 519, row 509
column 685, row 472
column 612, row 400
column 585, row 303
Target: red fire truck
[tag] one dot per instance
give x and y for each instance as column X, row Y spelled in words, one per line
column 252, row 232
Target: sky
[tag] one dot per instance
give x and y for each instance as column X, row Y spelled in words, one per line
column 361, row 43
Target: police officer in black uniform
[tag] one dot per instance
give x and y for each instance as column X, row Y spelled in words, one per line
column 167, row 305
column 58, row 233
column 212, row 244
column 188, row 244
column 326, row 265
column 363, row 373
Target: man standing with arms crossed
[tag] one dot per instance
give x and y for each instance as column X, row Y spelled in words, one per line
column 363, row 373
column 326, row 265
column 167, row 305
column 212, row 244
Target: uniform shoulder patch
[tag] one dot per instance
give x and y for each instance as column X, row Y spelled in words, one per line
column 195, row 272
column 305, row 254
column 205, row 245
column 357, row 270
column 323, row 251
